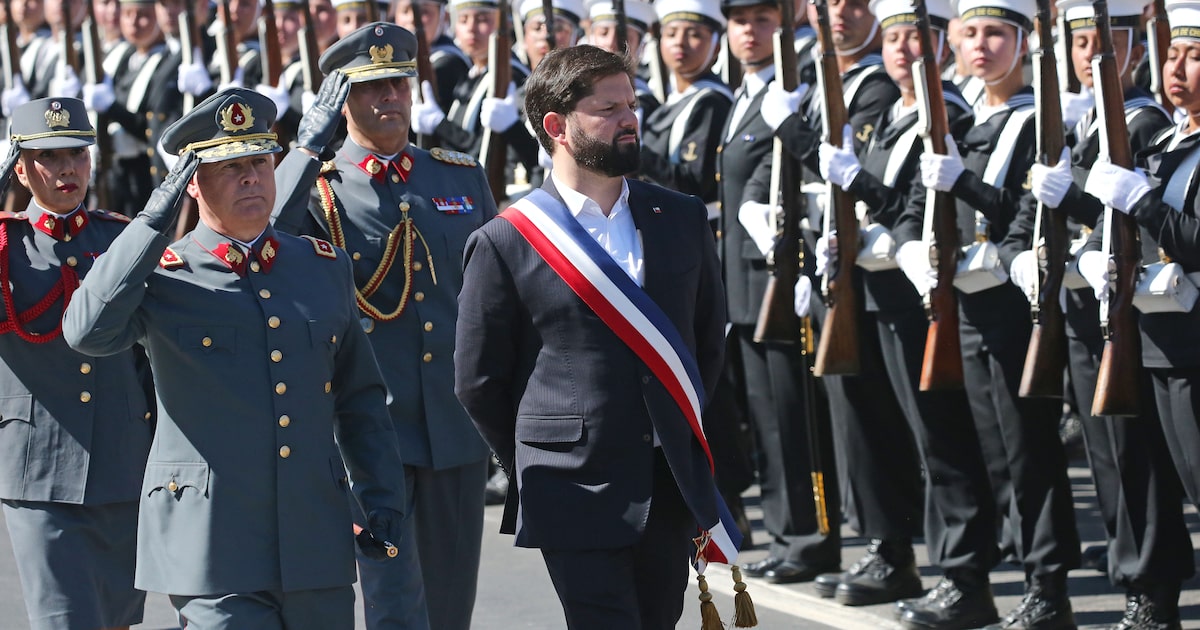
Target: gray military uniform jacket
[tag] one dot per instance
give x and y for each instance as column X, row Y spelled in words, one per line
column 447, row 197
column 258, row 370
column 73, row 429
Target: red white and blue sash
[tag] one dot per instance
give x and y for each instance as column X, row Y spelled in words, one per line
column 626, row 309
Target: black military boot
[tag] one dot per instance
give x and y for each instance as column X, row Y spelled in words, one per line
column 826, row 584
column 1044, row 607
column 962, row 600
column 1151, row 609
column 887, row 573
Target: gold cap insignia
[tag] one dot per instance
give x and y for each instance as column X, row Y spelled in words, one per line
column 381, row 55
column 237, row 117
column 56, row 116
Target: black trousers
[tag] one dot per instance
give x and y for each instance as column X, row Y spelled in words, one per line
column 1177, row 396
column 1019, row 438
column 641, row 587
column 1138, row 491
column 960, row 512
column 771, row 373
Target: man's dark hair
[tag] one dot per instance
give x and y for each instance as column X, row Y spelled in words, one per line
column 564, row 77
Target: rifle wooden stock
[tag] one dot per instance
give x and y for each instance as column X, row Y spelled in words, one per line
column 660, row 76
column 309, row 49
column 227, row 54
column 268, row 39
column 837, row 352
column 1158, row 40
column 777, row 321
column 372, row 10
column 548, row 14
column 93, row 52
column 1117, row 378
column 622, row 26
column 12, row 50
column 189, row 39
column 732, row 72
column 69, row 52
column 424, row 65
column 1046, row 357
column 941, row 365
column 494, row 149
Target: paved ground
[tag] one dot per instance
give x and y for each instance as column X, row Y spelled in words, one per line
column 515, row 593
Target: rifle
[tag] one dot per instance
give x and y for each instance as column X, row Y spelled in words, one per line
column 837, row 353
column 731, row 71
column 1158, row 40
column 189, row 42
column 814, row 419
column 1046, row 357
column 941, row 367
column 548, row 14
column 424, row 66
column 309, row 57
column 372, row 9
column 622, row 24
column 1066, row 76
column 1117, row 379
column 227, row 55
column 660, row 76
column 777, row 320
column 70, row 54
column 11, row 51
column 268, row 38
column 494, row 149
column 93, row 51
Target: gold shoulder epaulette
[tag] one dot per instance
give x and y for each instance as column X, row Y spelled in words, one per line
column 451, row 157
column 111, row 216
column 328, row 166
column 324, row 248
column 170, row 259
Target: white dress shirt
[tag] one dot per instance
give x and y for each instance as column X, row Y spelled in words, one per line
column 615, row 232
column 752, row 84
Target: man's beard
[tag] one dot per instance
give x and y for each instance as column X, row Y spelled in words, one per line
column 611, row 160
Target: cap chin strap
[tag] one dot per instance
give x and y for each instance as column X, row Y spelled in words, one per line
column 1128, row 53
column 866, row 42
column 1015, row 60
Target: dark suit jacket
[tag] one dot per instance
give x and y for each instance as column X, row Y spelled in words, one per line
column 567, row 407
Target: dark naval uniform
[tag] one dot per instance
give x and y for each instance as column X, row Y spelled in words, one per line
column 75, row 429
column 129, row 178
column 269, row 399
column 405, row 221
column 679, row 148
column 461, row 129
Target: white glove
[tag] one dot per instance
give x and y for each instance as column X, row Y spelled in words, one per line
column 939, row 172
column 1076, row 106
column 826, row 248
column 122, row 144
column 803, row 295
column 307, row 100
column 99, row 97
column 278, row 95
column 840, row 166
column 913, row 258
column 544, row 159
column 640, row 114
column 193, row 78
column 1115, row 186
column 756, row 219
column 1024, row 274
column 1049, row 184
column 499, row 114
column 778, row 103
column 1093, row 266
column 65, row 83
column 13, row 97
column 236, row 82
column 427, row 114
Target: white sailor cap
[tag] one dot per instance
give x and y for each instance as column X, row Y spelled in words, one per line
column 1121, row 13
column 573, row 10
column 1019, row 13
column 357, row 4
column 707, row 12
column 893, row 12
column 1184, row 16
column 639, row 15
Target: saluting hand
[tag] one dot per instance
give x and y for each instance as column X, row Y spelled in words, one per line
column 321, row 121
column 164, row 203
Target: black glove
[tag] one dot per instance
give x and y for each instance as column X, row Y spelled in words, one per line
column 320, row 123
column 383, row 530
column 8, row 166
column 164, row 203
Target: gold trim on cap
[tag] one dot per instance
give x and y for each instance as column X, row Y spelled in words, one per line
column 54, row 134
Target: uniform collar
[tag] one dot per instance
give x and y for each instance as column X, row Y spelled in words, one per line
column 233, row 255
column 58, row 227
column 379, row 168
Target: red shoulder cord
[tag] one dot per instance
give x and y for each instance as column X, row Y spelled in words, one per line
column 16, row 323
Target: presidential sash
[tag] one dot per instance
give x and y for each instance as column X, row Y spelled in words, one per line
column 625, row 308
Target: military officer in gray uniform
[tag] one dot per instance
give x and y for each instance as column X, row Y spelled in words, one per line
column 269, row 398
column 74, row 430
column 404, row 215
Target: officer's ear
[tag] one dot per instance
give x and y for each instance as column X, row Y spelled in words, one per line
column 19, row 171
column 193, row 185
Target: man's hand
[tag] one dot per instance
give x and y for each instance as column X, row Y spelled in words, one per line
column 839, row 165
column 803, row 299
column 778, row 103
column 164, row 203
column 13, row 97
column 826, row 248
column 913, row 258
column 427, row 115
column 1076, row 106
column 1024, row 274
column 65, row 84
column 383, row 532
column 500, row 114
column 321, row 121
column 99, row 97
column 1049, row 184
column 1117, row 187
column 1093, row 266
column 756, row 220
column 193, row 78
column 939, row 172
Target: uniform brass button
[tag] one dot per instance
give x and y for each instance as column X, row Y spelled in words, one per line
column 149, row 115
column 285, row 451
column 172, row 486
column 356, row 255
column 333, row 339
column 154, row 170
column 280, row 388
column 72, row 261
column 645, row 380
column 328, row 387
column 428, row 326
column 276, row 356
column 273, row 321
column 718, row 176
column 395, row 178
column 264, row 294
column 404, row 206
column 85, row 396
column 417, row 266
column 162, row 117
column 85, row 368
column 419, row 296
column 254, row 266
column 66, row 238
column 647, row 438
column 147, row 416
column 284, row 421
column 206, row 342
column 427, row 357
column 150, row 151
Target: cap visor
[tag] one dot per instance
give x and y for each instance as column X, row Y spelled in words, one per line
column 380, row 73
column 58, row 142
column 233, row 150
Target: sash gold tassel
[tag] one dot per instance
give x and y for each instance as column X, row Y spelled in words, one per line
column 743, row 607
column 710, row 619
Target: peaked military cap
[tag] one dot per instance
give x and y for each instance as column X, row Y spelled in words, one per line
column 232, row 123
column 52, row 123
column 380, row 50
